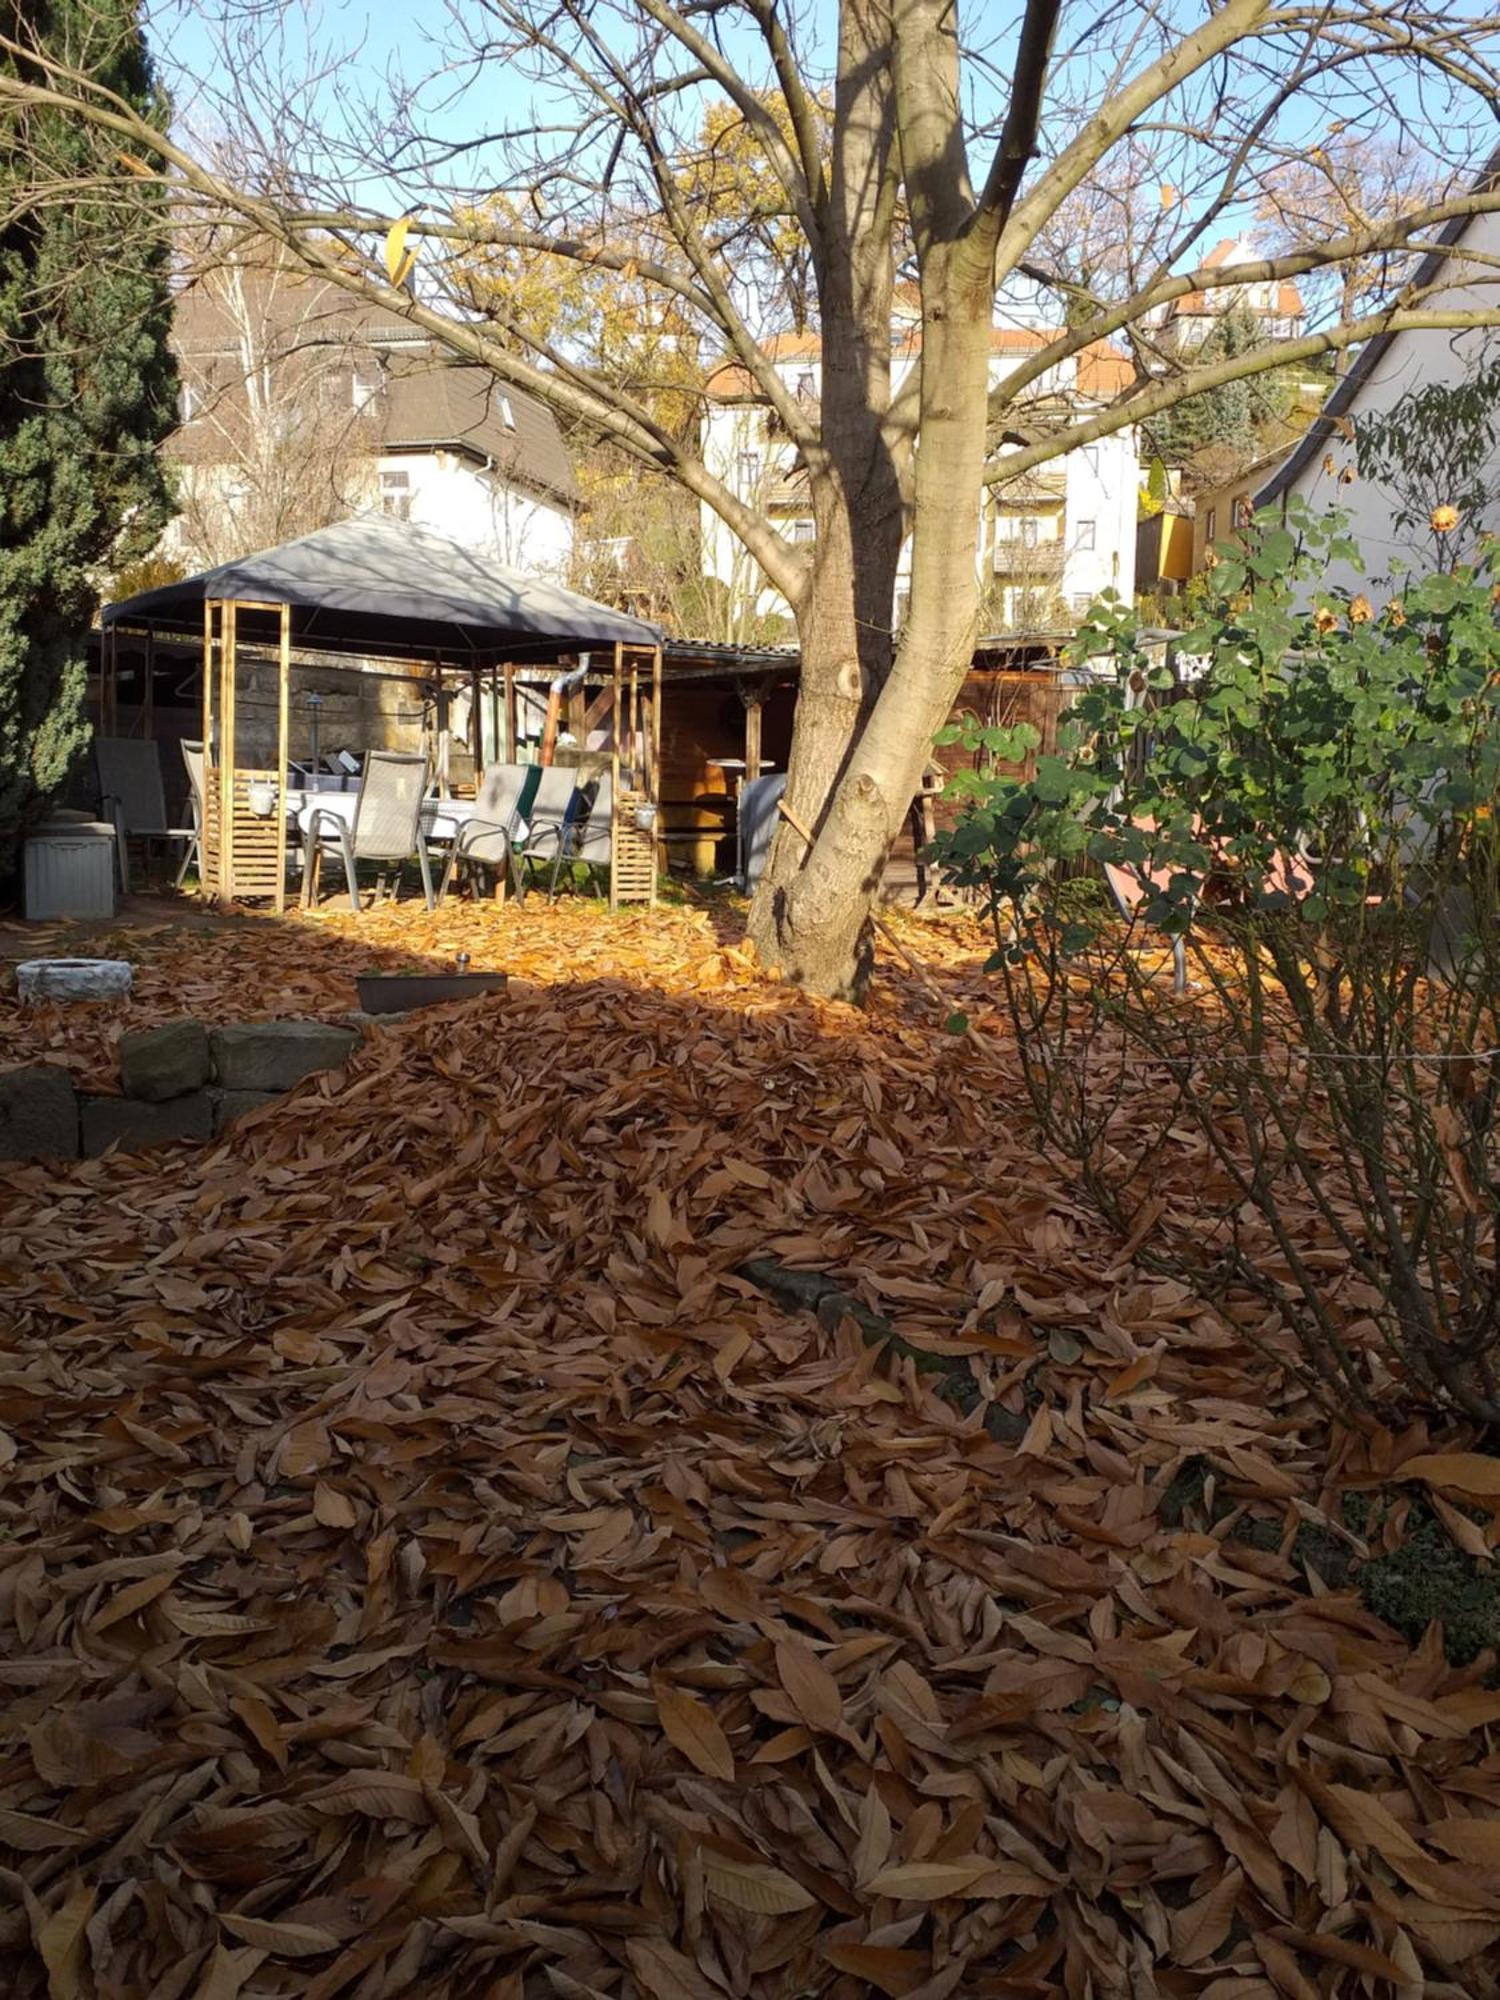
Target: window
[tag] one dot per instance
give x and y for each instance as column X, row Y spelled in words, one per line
column 1023, row 528
column 1085, row 534
column 749, row 471
column 364, row 383
column 507, row 414
column 1211, row 524
column 807, row 387
column 1240, row 512
column 803, row 531
column 395, row 495
column 187, row 403
column 1091, row 457
column 1081, row 602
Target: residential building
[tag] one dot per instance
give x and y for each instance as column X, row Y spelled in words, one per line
column 1276, row 304
column 300, row 405
column 1226, row 508
column 1049, row 542
column 1458, row 275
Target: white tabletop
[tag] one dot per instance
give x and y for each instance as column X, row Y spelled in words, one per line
column 441, row 818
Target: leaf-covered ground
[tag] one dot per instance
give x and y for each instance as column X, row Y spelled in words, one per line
column 429, row 1567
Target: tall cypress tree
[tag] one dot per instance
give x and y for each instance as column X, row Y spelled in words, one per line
column 87, row 388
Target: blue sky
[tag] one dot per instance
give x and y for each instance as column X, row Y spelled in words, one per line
column 354, row 48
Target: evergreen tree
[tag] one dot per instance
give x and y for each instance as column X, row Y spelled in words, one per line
column 87, row 388
column 1232, row 416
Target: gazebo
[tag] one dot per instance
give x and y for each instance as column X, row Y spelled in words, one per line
column 387, row 595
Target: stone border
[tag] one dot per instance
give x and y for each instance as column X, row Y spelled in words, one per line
column 183, row 1080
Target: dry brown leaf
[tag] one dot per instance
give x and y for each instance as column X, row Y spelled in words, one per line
column 813, row 1691
column 1200, row 1927
column 883, row 1967
column 333, row 1508
column 1464, row 1471
column 753, row 1885
column 662, row 1970
column 1476, row 1840
column 690, row 1728
column 929, row 1881
column 280, row 1940
column 60, row 1941
column 29, row 1833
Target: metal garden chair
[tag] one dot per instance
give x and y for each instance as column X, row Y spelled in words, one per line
column 386, row 826
column 586, row 835
column 192, row 757
column 484, row 841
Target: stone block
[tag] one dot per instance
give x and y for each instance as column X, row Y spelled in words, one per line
column 73, row 978
column 159, row 1063
column 275, row 1055
column 136, row 1127
column 232, row 1104
column 38, row 1114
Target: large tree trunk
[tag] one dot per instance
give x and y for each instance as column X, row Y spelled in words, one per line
column 811, row 918
column 844, row 616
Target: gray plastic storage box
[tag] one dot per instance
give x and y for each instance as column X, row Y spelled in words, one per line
column 70, row 868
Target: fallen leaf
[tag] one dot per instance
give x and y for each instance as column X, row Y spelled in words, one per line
column 690, row 1728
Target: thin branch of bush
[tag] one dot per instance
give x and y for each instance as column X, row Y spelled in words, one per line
column 1308, row 1138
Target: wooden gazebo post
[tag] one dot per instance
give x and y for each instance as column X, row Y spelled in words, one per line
column 265, row 858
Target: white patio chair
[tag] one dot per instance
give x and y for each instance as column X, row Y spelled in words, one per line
column 386, row 827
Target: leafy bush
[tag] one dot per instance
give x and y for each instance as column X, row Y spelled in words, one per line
column 1313, row 815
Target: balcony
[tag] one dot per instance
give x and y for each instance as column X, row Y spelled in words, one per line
column 1029, row 562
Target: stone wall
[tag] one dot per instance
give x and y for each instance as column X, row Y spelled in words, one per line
column 180, row 1081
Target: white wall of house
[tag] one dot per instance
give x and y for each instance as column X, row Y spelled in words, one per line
column 454, row 496
column 1099, row 525
column 1100, row 520
column 1411, row 360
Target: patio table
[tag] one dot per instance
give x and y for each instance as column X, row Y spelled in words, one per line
column 441, row 818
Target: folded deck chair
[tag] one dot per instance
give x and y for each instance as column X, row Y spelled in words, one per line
column 132, row 797
column 500, row 808
column 756, row 821
column 551, row 805
column 587, row 833
column 192, row 757
column 386, row 826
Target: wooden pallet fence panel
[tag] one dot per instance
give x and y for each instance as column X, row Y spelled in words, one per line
column 634, row 869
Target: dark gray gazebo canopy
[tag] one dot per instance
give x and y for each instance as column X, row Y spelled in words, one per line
column 381, row 587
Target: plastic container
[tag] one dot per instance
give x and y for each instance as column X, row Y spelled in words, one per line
column 69, row 868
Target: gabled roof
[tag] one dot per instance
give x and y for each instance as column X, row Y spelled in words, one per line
column 302, row 323
column 430, row 405
column 1232, row 249
column 1315, row 438
column 1101, row 369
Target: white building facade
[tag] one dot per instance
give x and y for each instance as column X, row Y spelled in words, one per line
column 1049, row 542
column 1323, row 469
column 300, row 406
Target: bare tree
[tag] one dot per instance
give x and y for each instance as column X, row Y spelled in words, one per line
column 278, row 401
column 1343, row 185
column 590, row 120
